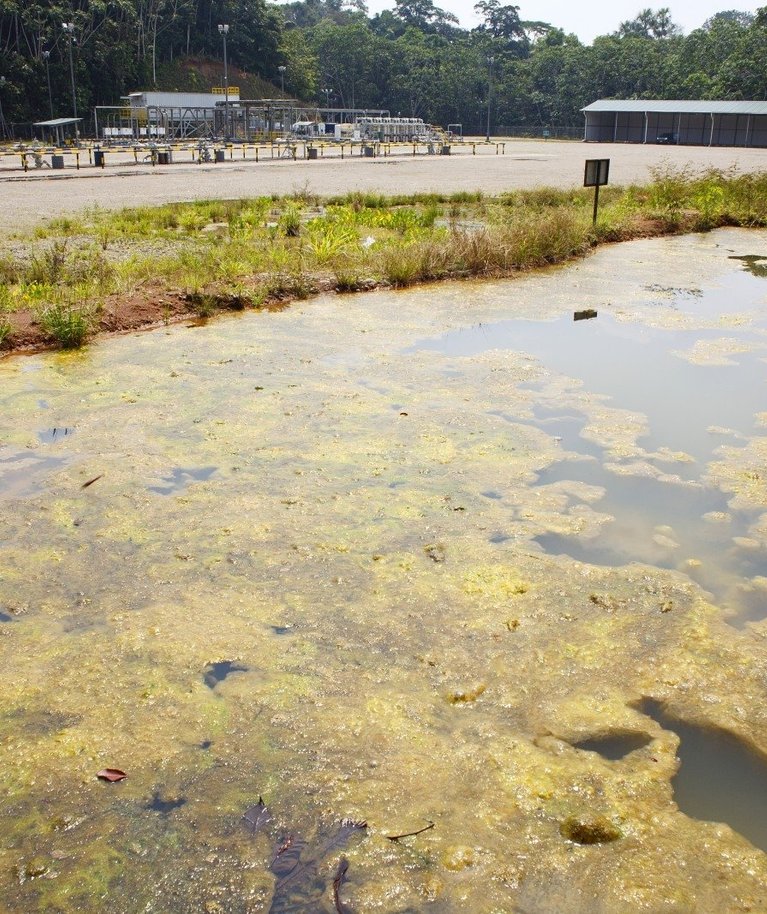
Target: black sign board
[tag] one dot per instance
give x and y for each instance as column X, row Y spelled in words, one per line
column 597, row 171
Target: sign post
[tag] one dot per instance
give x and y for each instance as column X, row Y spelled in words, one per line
column 596, row 175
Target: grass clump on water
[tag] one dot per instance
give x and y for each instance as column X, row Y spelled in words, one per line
column 211, row 253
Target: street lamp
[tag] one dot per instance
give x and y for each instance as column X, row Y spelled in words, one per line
column 328, row 93
column 282, row 78
column 490, row 62
column 47, row 59
column 223, row 31
column 69, row 28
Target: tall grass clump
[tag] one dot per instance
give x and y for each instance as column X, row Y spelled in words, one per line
column 348, row 277
column 400, row 265
column 531, row 240
column 474, row 253
column 7, row 299
column 290, row 221
column 669, row 192
column 328, row 240
column 413, row 261
column 10, row 270
column 5, row 330
column 550, row 238
column 66, row 226
column 69, row 325
column 745, row 196
column 90, row 266
column 47, row 267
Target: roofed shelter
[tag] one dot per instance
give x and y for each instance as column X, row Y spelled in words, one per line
column 57, row 125
column 686, row 123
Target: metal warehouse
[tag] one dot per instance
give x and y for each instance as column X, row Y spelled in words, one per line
column 687, row 123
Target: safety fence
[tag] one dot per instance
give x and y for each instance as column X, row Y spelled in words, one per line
column 38, row 157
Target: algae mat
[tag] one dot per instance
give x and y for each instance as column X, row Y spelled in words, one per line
column 295, row 572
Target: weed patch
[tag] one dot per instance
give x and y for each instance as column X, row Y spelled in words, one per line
column 66, row 324
column 288, row 247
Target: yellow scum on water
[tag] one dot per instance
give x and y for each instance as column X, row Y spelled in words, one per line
column 284, row 584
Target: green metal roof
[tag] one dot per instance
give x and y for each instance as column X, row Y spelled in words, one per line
column 666, row 106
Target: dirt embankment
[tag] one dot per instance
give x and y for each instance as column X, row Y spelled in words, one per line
column 524, row 164
column 150, row 306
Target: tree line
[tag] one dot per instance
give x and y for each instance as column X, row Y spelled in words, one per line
column 414, row 59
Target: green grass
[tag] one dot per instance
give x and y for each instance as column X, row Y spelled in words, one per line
column 67, row 324
column 247, row 251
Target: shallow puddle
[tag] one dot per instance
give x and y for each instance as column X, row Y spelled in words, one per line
column 181, row 477
column 720, row 778
column 407, row 559
column 25, row 473
column 641, row 369
column 53, row 435
column 217, row 672
column 692, row 389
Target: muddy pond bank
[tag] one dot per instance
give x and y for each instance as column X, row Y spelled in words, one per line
column 397, row 559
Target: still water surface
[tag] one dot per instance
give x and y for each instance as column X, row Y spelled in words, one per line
column 445, row 562
column 689, row 410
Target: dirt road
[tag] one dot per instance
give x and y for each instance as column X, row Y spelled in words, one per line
column 31, row 197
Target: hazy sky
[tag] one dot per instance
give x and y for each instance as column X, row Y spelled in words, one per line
column 589, row 18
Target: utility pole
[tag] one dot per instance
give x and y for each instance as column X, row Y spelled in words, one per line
column 4, row 132
column 490, row 62
column 223, row 30
column 282, row 78
column 69, row 28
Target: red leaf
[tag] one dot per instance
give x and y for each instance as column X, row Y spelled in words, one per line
column 111, row 774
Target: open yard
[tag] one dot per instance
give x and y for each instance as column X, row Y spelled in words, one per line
column 27, row 198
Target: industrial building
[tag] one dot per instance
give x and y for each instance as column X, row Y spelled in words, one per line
column 219, row 113
column 167, row 114
column 683, row 123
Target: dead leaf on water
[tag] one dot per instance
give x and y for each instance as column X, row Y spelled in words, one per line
column 111, row 774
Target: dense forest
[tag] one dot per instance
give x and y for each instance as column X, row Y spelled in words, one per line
column 413, row 59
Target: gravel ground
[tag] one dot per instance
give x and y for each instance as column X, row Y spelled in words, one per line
column 31, row 197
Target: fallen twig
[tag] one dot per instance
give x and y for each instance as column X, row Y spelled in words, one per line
column 91, row 481
column 411, row 834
